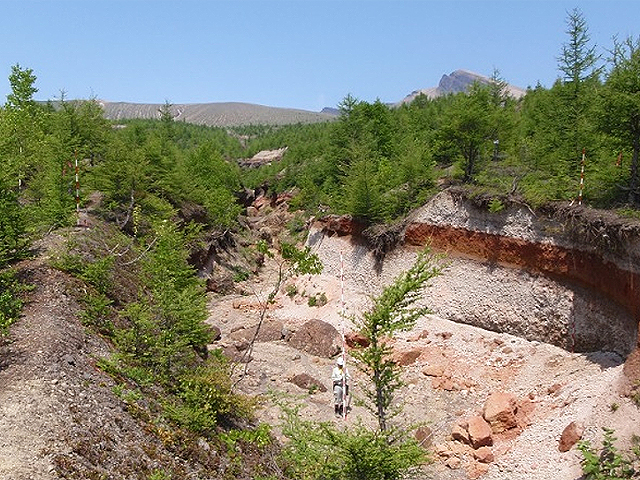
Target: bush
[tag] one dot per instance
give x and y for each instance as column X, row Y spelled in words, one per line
column 608, row 463
column 322, row 451
column 10, row 302
column 318, row 300
column 97, row 313
column 206, row 398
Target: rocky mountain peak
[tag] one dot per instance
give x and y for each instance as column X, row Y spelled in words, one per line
column 456, row 82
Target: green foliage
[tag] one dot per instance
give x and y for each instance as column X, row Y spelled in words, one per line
column 97, row 313
column 159, row 474
column 205, row 396
column 392, row 311
column 322, row 451
column 167, row 322
column 619, row 109
column 301, row 261
column 240, row 274
column 97, row 273
column 10, row 302
column 578, row 58
column 496, row 205
column 608, row 463
column 12, row 226
column 317, row 300
column 260, row 436
column 291, row 290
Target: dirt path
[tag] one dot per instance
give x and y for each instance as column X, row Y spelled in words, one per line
column 37, row 359
column 56, row 407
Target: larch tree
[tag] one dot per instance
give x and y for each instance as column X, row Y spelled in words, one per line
column 620, row 107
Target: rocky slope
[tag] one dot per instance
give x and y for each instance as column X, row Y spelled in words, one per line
column 456, row 82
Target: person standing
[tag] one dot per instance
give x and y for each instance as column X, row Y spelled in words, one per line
column 340, row 378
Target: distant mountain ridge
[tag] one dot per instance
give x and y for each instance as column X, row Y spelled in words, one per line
column 223, row 114
column 230, row 114
column 456, row 82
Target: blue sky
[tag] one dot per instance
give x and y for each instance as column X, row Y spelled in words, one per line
column 304, row 54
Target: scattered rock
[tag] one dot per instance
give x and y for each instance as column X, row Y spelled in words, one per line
column 483, row 455
column 407, row 357
column 215, row 332
column 270, row 331
column 460, row 433
column 418, row 336
column 453, row 462
column 340, row 224
column 476, row 470
column 424, row 436
column 570, row 436
column 355, row 340
column 480, row 434
column 500, row 411
column 554, row 389
column 220, row 282
column 433, row 370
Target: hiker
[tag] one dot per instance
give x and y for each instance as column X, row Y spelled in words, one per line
column 340, row 377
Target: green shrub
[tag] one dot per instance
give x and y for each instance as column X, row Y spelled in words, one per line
column 99, row 274
column 608, row 463
column 495, row 205
column 291, row 290
column 206, row 397
column 240, row 274
column 317, row 300
column 159, row 474
column 316, row 451
column 97, row 313
column 10, row 302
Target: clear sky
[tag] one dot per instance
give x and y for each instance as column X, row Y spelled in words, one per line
column 304, row 54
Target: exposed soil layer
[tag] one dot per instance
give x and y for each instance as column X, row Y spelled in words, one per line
column 566, row 265
column 569, row 276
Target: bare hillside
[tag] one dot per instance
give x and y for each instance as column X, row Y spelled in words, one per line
column 224, row 114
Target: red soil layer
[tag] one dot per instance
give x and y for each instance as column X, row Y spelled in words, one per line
column 585, row 268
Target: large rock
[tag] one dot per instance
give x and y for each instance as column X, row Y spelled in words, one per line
column 500, row 411
column 270, row 331
column 307, row 382
column 460, row 433
column 483, row 455
column 340, row 225
column 356, row 340
column 317, row 338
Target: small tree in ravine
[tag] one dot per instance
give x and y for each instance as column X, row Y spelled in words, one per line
column 393, row 311
column 324, row 451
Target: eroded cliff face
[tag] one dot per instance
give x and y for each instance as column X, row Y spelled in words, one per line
column 570, row 277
